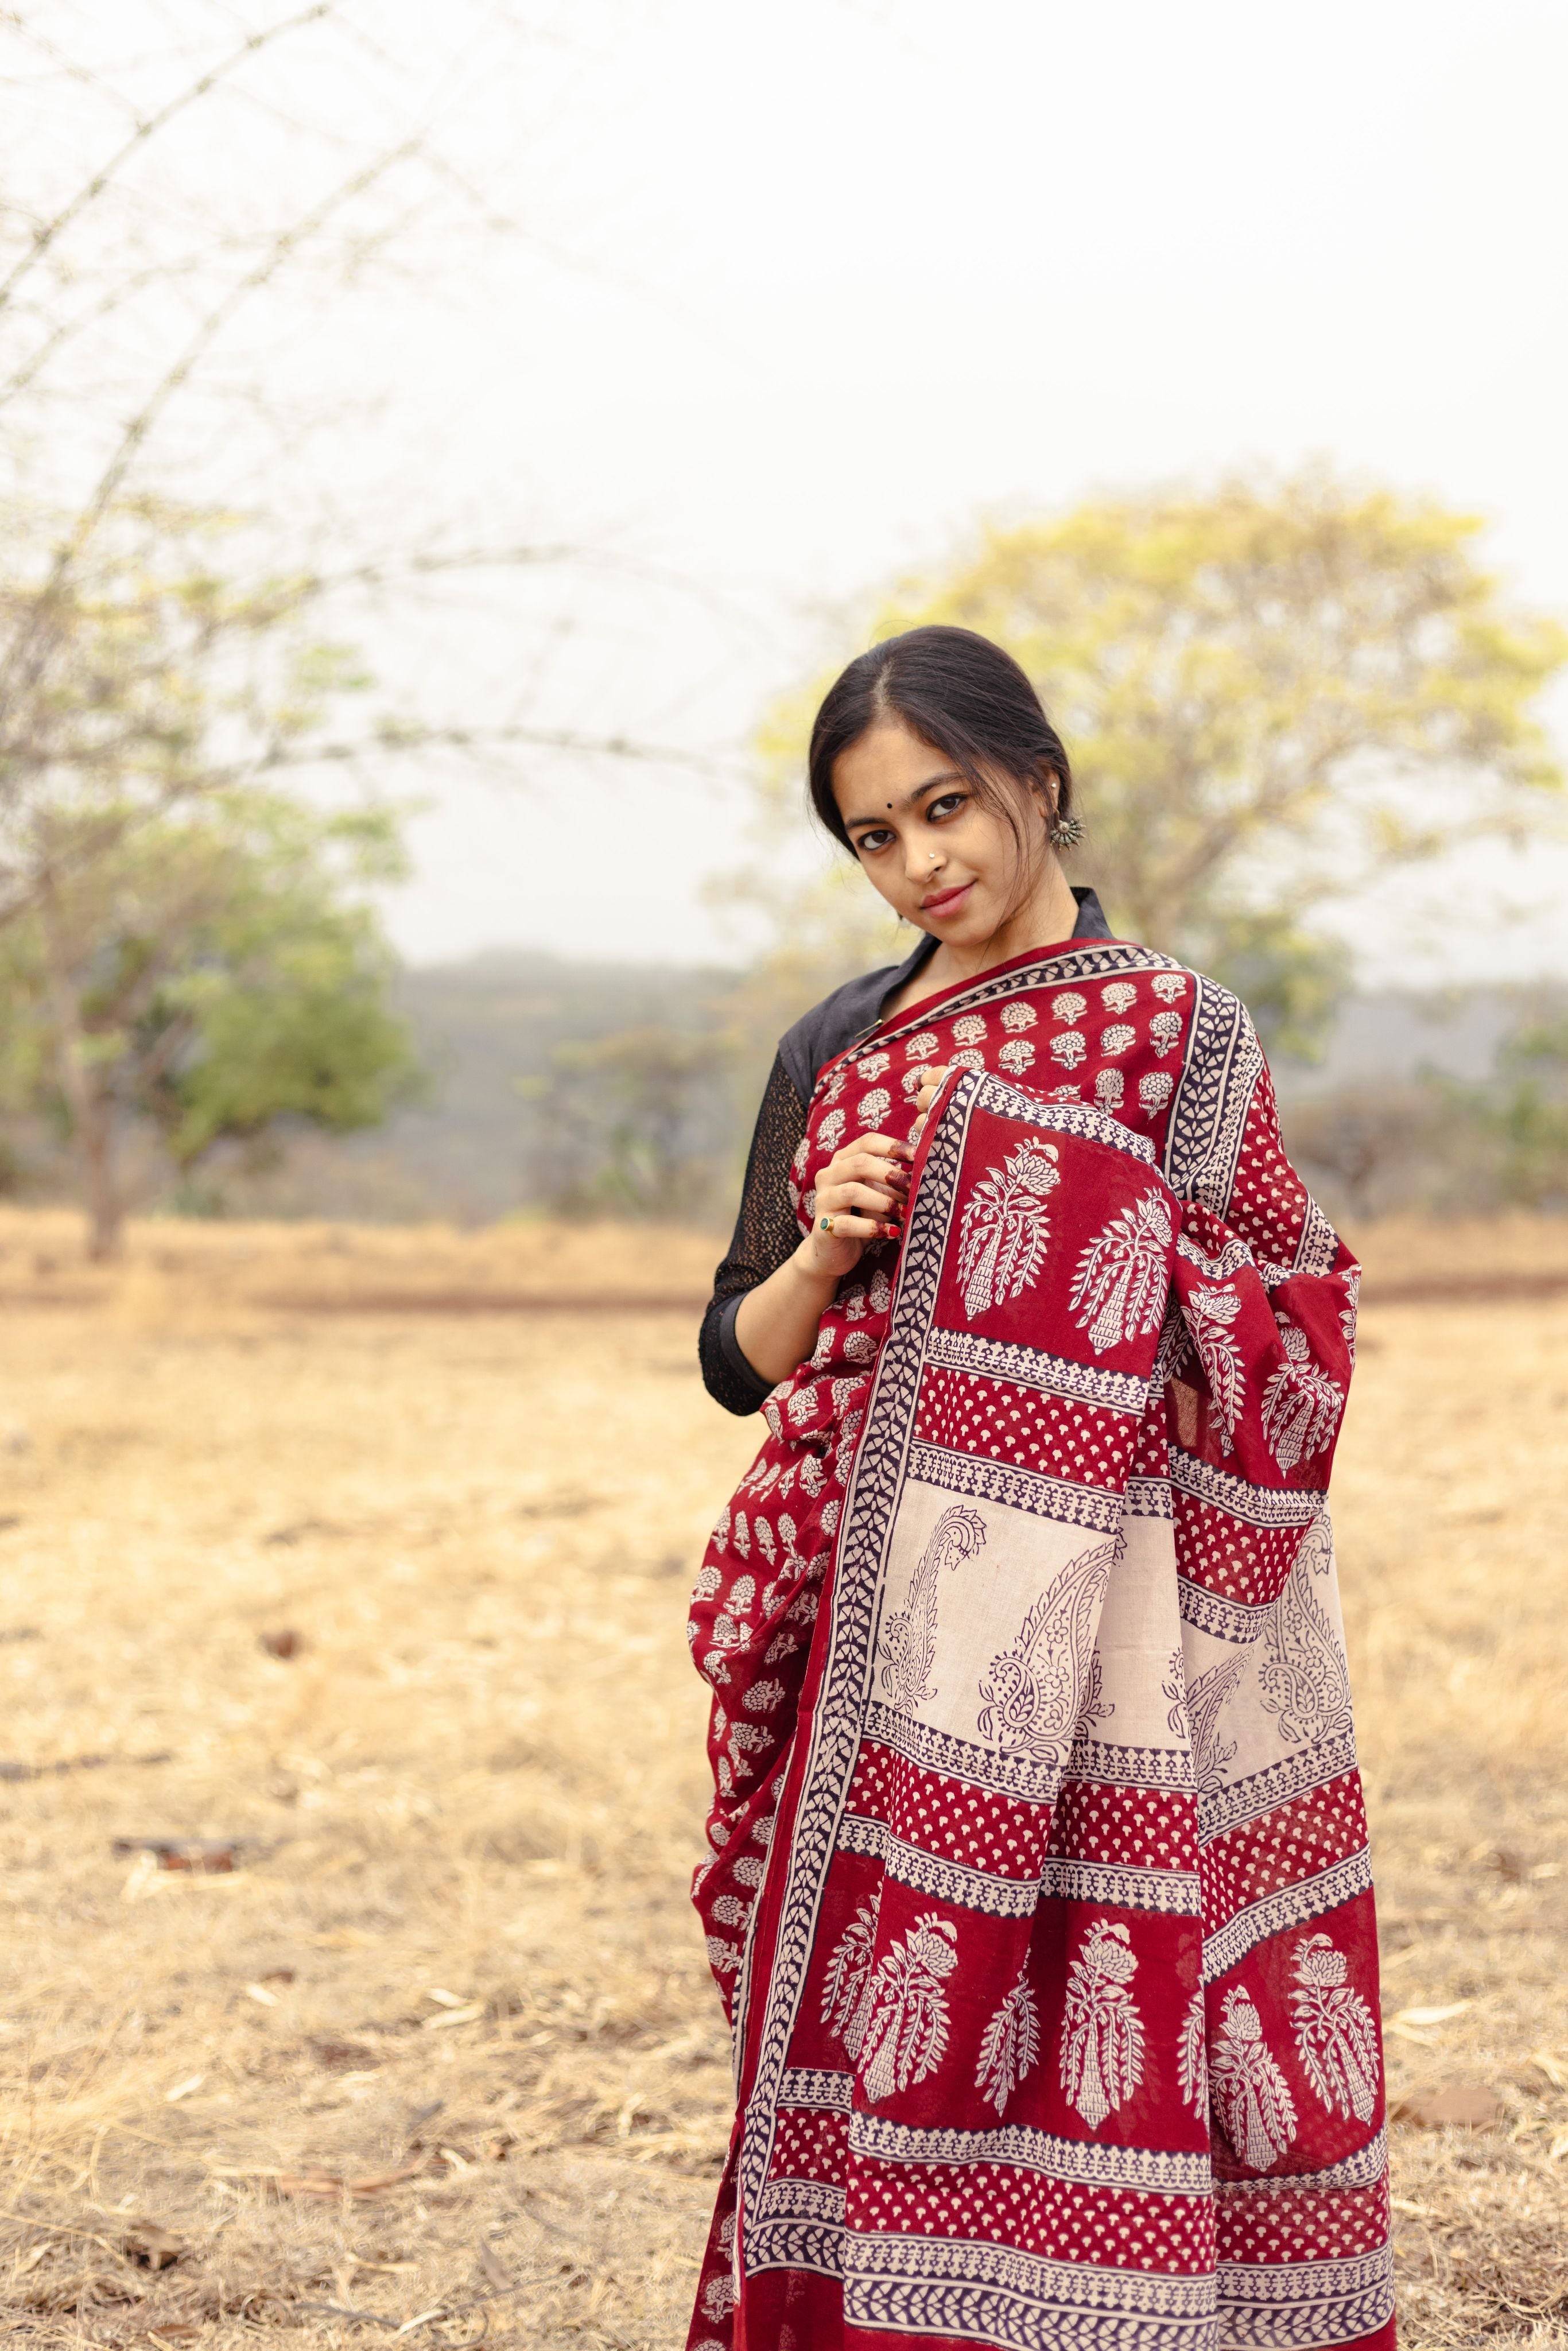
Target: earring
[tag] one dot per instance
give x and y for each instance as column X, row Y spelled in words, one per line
column 1066, row 831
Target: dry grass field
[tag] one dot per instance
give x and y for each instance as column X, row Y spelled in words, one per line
column 437, row 2052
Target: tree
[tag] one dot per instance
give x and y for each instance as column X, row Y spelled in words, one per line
column 1271, row 693
column 1520, row 1117
column 176, row 199
column 633, row 1123
column 1377, row 1144
column 211, row 976
column 161, row 681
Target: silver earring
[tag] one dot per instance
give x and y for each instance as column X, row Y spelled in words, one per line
column 1066, row 831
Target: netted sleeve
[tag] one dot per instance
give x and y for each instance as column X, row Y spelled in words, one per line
column 766, row 1233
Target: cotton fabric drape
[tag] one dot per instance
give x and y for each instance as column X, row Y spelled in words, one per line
column 1038, row 1888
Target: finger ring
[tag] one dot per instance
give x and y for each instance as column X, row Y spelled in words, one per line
column 827, row 1226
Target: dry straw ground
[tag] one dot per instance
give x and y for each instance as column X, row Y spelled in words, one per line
column 442, row 2041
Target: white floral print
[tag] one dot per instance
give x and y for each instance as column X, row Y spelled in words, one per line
column 1101, row 2031
column 1336, row 2037
column 1005, row 1227
column 1250, row 2094
column 1009, row 2047
column 906, row 2033
column 1123, row 1274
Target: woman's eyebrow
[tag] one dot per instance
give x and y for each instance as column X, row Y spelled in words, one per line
column 910, row 798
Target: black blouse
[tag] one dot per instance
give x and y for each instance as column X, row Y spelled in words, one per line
column 767, row 1231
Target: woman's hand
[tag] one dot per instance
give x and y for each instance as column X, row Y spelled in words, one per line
column 860, row 1197
column 925, row 1093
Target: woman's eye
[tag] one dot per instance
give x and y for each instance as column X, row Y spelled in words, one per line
column 875, row 840
column 948, row 805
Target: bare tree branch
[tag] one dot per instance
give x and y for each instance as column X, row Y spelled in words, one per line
column 20, row 667
column 91, row 190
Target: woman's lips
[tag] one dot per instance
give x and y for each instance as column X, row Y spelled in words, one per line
column 946, row 902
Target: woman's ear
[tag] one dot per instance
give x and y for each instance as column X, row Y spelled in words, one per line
column 1042, row 789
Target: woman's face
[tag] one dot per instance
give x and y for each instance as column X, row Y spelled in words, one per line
column 941, row 859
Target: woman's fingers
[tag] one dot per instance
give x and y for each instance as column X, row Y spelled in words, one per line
column 930, row 1085
column 889, row 1182
column 869, row 1196
column 843, row 1224
column 880, row 1146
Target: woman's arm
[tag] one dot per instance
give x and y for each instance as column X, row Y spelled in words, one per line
column 860, row 1198
column 771, row 1291
column 766, row 1233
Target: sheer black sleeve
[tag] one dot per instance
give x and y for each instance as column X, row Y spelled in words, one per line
column 766, row 1233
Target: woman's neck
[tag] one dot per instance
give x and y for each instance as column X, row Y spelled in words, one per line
column 1048, row 915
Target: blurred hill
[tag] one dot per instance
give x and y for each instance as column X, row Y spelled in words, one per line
column 531, row 1062
column 1394, row 1035
column 477, row 1148
column 482, row 1145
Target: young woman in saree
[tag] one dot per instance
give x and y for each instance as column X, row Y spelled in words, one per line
column 1036, row 1886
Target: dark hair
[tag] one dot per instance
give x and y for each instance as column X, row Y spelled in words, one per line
column 957, row 691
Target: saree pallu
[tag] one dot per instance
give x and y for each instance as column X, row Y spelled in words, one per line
column 1038, row 1889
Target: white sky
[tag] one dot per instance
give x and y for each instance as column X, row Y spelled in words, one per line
column 847, row 273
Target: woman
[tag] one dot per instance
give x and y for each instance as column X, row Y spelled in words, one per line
column 1038, row 1890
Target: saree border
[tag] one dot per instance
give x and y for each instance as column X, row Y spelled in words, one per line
column 988, row 2293
column 1059, row 970
column 1289, row 1906
column 1314, row 1765
column 1175, row 1892
column 1030, row 1367
column 1221, row 1064
column 1063, row 1499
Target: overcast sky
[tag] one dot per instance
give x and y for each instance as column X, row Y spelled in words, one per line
column 806, row 289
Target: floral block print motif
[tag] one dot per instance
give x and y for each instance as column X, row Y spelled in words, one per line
column 1036, row 1875
column 1252, row 2096
column 1010, row 2046
column 1103, row 2032
column 1006, row 1226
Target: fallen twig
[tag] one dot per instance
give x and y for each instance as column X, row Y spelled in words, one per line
column 428, row 2318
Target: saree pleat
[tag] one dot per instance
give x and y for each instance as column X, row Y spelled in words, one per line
column 1038, row 1889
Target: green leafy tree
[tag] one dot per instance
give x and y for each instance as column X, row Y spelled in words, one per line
column 630, row 1121
column 1522, row 1116
column 1271, row 693
column 206, row 976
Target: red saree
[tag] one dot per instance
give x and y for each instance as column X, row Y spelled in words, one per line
column 1038, row 1890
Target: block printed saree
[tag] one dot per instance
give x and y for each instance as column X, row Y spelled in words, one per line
column 1038, row 1888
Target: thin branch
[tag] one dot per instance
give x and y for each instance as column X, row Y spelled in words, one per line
column 429, row 2317
column 94, row 841
column 124, row 290
column 476, row 741
column 172, row 382
column 87, row 195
